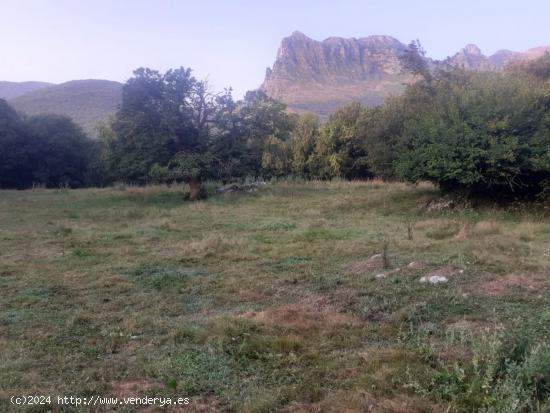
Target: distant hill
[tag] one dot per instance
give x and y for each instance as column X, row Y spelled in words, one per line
column 11, row 90
column 87, row 102
column 322, row 76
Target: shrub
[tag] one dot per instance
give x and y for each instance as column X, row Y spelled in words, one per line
column 484, row 134
column 500, row 377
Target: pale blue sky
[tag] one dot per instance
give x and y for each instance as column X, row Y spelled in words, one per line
column 232, row 42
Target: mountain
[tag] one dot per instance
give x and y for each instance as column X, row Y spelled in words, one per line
column 471, row 58
column 322, row 76
column 11, row 90
column 87, row 102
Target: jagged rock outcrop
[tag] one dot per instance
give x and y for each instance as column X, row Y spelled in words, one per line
column 470, row 58
column 321, row 76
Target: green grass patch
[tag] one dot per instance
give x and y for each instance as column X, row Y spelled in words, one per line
column 280, row 226
column 161, row 277
column 201, row 371
column 337, row 234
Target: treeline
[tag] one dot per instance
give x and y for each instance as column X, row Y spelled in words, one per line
column 477, row 133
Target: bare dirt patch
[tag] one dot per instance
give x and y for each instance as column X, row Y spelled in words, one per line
column 310, row 313
column 508, row 284
column 250, row 296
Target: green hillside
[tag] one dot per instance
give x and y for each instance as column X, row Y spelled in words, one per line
column 87, row 102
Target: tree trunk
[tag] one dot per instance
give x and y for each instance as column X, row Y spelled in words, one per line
column 195, row 186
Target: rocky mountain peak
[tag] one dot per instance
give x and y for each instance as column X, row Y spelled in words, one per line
column 472, row 49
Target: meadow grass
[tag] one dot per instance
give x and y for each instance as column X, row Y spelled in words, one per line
column 300, row 297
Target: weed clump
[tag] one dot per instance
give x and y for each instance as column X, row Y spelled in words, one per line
column 160, row 277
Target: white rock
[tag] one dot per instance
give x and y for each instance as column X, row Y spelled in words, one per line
column 415, row 265
column 380, row 276
column 434, row 279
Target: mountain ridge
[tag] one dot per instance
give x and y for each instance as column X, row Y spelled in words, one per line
column 12, row 90
column 321, row 76
column 87, row 101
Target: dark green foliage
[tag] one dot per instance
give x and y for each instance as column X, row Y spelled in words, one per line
column 340, row 150
column 482, row 134
column 265, row 120
column 381, row 128
column 170, row 127
column 145, row 130
column 62, row 151
column 15, row 150
column 48, row 150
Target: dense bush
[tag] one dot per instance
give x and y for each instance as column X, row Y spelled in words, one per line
column 483, row 133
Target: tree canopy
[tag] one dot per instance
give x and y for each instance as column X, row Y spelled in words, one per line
column 48, row 150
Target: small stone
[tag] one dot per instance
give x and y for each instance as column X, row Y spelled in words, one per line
column 416, row 265
column 434, row 279
column 378, row 276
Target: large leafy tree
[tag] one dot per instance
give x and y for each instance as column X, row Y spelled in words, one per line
column 170, row 127
column 16, row 150
column 340, row 150
column 48, row 150
column 153, row 122
column 265, row 120
column 61, row 151
column 304, row 136
column 164, row 122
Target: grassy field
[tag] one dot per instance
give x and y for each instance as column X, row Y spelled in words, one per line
column 296, row 298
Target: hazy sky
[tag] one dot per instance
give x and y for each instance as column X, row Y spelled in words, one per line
column 232, row 42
